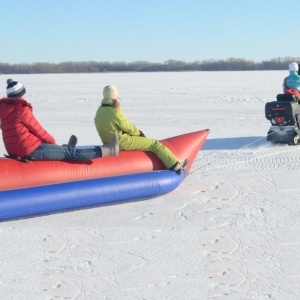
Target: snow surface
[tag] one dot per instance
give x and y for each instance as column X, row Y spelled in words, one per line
column 230, row 231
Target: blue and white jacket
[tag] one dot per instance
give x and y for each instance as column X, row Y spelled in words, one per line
column 292, row 81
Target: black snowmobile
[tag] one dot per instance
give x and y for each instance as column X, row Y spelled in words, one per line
column 284, row 115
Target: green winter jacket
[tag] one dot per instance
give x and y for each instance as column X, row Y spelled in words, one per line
column 110, row 119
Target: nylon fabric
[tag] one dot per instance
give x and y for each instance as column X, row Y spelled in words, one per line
column 110, row 119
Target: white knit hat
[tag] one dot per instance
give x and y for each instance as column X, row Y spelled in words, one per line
column 110, row 92
column 293, row 67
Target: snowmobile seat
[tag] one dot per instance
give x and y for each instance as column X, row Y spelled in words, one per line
column 287, row 97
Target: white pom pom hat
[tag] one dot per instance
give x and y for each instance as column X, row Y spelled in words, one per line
column 293, row 67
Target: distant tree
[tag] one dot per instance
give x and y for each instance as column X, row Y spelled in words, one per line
column 230, row 64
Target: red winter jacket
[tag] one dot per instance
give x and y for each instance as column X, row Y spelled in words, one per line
column 21, row 131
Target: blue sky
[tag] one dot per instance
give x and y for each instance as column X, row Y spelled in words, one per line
column 148, row 30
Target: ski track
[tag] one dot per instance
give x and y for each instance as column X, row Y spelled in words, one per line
column 279, row 158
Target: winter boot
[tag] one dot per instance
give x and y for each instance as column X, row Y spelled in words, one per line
column 72, row 141
column 179, row 166
column 112, row 148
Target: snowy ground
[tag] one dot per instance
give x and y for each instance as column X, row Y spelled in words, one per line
column 230, row 231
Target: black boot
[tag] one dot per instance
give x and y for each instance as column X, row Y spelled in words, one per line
column 72, row 141
column 179, row 166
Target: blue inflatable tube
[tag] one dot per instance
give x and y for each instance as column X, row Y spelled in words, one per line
column 87, row 193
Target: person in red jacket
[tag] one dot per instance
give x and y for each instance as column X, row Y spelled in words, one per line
column 25, row 138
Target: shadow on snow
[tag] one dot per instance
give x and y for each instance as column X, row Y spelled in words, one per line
column 235, row 143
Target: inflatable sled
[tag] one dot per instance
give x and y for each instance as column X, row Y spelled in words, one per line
column 43, row 187
column 284, row 115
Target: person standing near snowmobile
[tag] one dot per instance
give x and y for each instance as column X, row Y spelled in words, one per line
column 291, row 84
column 25, row 139
column 110, row 119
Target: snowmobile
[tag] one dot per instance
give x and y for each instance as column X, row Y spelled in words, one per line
column 284, row 115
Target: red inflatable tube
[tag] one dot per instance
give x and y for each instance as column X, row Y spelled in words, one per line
column 15, row 174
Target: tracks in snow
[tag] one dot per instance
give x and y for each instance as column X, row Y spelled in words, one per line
column 261, row 159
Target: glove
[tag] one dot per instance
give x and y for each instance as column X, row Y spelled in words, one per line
column 142, row 134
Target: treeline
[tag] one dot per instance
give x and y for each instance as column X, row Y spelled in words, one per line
column 230, row 64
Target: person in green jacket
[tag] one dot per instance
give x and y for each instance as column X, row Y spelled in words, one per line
column 110, row 119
